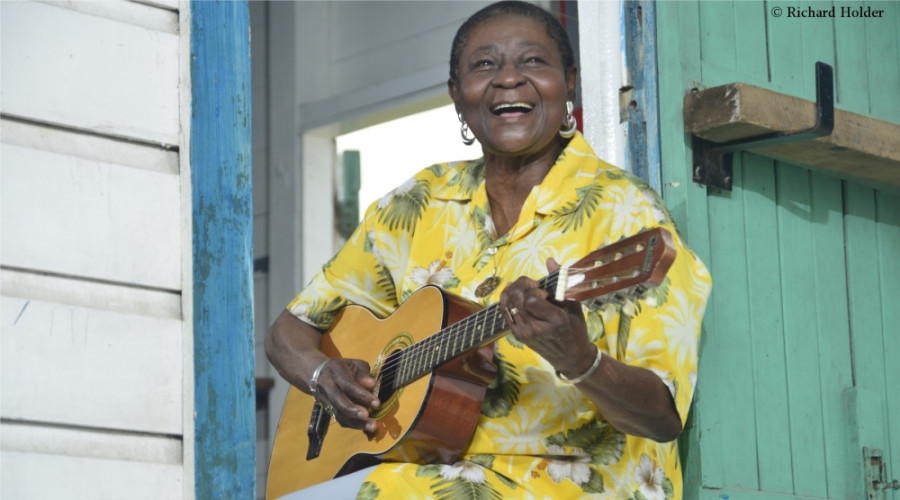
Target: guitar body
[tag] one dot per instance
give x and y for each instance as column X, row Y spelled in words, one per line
column 430, row 420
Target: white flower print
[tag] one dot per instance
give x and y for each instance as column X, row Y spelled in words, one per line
column 568, row 466
column 464, row 469
column 681, row 323
column 651, row 198
column 533, row 252
column 650, row 479
column 515, row 435
column 627, row 207
column 436, row 274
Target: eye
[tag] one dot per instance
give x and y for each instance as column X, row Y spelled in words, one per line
column 483, row 64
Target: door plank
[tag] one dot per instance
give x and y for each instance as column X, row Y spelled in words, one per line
column 801, row 339
column 767, row 333
column 733, row 348
column 832, row 326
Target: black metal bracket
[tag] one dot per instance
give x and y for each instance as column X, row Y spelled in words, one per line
column 712, row 164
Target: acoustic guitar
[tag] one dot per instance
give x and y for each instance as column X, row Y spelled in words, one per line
column 431, row 359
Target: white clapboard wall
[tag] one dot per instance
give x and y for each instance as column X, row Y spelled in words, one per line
column 94, row 251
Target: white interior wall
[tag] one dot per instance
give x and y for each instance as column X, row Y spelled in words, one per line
column 94, row 252
column 332, row 67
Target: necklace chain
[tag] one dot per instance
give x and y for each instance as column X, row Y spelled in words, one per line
column 487, row 287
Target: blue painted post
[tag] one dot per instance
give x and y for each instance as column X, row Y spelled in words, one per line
column 220, row 148
column 642, row 150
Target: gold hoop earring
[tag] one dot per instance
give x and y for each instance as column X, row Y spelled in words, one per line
column 464, row 131
column 570, row 125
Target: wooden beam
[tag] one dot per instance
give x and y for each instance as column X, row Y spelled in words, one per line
column 221, row 190
column 859, row 147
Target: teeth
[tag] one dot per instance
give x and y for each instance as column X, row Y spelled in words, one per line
column 512, row 105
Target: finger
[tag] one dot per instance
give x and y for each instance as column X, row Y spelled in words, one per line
column 552, row 265
column 357, row 383
column 351, row 415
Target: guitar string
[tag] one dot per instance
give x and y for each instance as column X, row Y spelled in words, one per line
column 419, row 352
column 481, row 316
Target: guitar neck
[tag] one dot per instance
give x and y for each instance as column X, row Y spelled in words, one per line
column 477, row 330
column 625, row 268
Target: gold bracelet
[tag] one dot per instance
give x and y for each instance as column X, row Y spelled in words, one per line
column 584, row 375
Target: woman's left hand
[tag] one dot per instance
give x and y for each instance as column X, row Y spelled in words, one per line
column 556, row 331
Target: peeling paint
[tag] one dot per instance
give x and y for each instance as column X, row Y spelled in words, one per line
column 225, row 418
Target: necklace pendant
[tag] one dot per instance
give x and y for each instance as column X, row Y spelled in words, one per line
column 487, row 287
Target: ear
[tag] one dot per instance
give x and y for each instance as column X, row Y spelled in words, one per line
column 572, row 82
column 453, row 90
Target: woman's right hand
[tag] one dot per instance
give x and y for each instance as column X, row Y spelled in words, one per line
column 344, row 385
column 344, row 388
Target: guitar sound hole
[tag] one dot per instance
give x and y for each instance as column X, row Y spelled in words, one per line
column 387, row 378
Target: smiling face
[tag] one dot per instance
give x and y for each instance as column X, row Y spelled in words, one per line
column 512, row 86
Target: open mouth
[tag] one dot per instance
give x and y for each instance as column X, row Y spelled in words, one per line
column 511, row 109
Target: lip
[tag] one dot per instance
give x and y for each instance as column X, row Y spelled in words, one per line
column 511, row 109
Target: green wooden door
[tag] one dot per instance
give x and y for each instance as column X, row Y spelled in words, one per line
column 801, row 347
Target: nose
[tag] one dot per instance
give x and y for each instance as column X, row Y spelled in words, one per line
column 508, row 76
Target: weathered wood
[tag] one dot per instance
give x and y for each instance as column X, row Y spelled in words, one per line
column 222, row 263
column 29, row 437
column 90, row 367
column 38, row 475
column 71, row 216
column 95, row 73
column 859, row 146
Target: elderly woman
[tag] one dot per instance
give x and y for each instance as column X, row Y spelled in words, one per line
column 586, row 402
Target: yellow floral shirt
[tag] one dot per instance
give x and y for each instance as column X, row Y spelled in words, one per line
column 536, row 437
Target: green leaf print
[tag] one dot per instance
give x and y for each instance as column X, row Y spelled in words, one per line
column 594, row 484
column 668, row 487
column 659, row 295
column 598, row 439
column 405, row 208
column 460, row 488
column 433, row 470
column 469, row 177
column 503, row 392
column 385, row 279
column 637, row 496
column 483, row 459
column 322, row 313
column 595, row 326
column 574, row 214
column 624, row 333
column 368, row 491
column 438, row 170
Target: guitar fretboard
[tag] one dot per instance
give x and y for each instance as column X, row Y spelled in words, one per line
column 473, row 332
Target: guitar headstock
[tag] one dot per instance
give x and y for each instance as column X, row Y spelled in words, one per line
column 625, row 268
